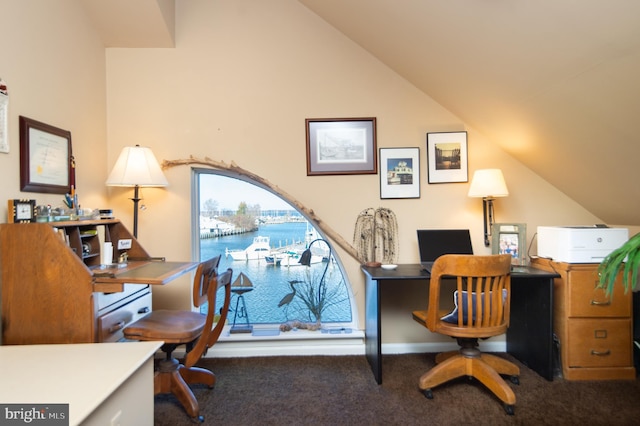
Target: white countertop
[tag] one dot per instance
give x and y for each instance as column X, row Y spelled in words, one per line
column 82, row 375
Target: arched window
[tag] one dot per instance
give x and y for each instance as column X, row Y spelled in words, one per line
column 262, row 238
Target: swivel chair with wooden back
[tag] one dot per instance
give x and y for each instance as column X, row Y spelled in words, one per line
column 189, row 328
column 482, row 301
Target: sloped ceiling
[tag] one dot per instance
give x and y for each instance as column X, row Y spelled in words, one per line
column 133, row 23
column 555, row 83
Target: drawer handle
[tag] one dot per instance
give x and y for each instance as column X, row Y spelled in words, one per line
column 597, row 353
column 605, row 303
column 144, row 310
column 117, row 326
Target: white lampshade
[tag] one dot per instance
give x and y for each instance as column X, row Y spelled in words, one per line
column 488, row 183
column 136, row 166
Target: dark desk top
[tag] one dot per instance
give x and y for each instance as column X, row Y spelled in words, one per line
column 413, row 271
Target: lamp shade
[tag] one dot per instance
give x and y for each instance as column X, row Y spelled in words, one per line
column 488, row 183
column 136, row 166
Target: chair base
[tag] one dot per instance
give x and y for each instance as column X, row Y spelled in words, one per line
column 173, row 377
column 469, row 361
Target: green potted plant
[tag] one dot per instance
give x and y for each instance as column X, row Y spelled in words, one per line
column 626, row 258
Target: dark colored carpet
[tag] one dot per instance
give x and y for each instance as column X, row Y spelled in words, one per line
column 341, row 390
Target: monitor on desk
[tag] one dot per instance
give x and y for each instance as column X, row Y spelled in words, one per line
column 433, row 243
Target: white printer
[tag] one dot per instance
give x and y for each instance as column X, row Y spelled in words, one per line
column 579, row 244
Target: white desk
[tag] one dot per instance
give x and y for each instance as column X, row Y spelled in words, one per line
column 100, row 381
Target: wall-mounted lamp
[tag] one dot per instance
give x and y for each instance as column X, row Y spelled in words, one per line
column 488, row 184
column 136, row 166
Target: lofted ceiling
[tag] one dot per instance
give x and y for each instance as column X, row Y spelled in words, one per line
column 554, row 83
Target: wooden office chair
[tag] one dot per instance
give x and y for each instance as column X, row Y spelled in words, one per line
column 192, row 329
column 482, row 298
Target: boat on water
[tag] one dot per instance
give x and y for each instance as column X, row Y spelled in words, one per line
column 257, row 250
column 290, row 258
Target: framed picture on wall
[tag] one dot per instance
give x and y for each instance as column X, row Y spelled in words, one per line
column 45, row 157
column 510, row 238
column 447, row 157
column 399, row 173
column 341, row 146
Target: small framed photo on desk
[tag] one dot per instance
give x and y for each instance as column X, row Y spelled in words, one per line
column 510, row 238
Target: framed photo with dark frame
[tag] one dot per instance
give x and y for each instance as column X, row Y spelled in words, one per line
column 341, row 146
column 45, row 157
column 447, row 157
column 399, row 173
column 510, row 238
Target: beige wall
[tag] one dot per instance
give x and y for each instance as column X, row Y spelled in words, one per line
column 238, row 86
column 54, row 65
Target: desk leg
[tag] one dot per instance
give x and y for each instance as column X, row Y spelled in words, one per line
column 373, row 347
column 530, row 333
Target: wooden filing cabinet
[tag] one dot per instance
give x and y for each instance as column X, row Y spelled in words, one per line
column 595, row 331
column 48, row 283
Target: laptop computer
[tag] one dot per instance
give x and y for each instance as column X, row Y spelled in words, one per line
column 433, row 243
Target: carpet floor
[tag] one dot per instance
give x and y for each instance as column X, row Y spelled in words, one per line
column 341, row 390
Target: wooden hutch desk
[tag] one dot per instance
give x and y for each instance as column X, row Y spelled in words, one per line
column 54, row 289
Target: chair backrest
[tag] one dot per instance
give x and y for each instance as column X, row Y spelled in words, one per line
column 206, row 270
column 213, row 326
column 482, row 295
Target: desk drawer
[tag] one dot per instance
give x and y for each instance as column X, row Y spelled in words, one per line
column 585, row 300
column 599, row 343
column 110, row 325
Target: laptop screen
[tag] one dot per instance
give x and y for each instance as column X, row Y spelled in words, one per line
column 433, row 243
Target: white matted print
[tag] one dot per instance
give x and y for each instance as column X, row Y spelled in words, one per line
column 447, row 157
column 399, row 173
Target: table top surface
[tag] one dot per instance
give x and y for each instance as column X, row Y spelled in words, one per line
column 414, row 271
column 82, row 375
column 142, row 272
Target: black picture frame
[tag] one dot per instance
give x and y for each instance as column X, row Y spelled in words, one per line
column 447, row 158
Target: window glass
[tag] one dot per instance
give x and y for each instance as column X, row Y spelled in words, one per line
column 262, row 238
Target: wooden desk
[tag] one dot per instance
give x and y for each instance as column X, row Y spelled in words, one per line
column 530, row 334
column 103, row 384
column 54, row 289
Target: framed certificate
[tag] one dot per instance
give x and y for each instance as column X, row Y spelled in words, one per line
column 45, row 157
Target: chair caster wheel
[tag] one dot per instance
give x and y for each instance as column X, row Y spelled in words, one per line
column 515, row 380
column 509, row 409
column 428, row 393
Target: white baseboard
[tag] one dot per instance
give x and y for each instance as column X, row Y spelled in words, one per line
column 308, row 343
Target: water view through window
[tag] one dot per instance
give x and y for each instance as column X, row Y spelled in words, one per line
column 262, row 237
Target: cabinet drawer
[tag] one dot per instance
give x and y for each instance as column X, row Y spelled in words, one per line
column 599, row 343
column 586, row 300
column 110, row 325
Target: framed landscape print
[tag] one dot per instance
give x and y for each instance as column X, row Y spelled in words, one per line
column 399, row 173
column 447, row 157
column 341, row 146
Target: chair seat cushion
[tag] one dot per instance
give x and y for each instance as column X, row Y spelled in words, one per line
column 168, row 326
column 452, row 317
